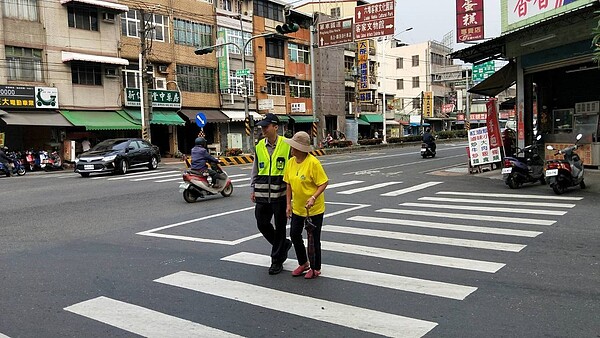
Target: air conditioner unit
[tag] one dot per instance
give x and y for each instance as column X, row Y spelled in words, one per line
column 163, row 69
column 111, row 72
column 263, row 89
column 108, row 17
column 160, row 83
column 150, row 69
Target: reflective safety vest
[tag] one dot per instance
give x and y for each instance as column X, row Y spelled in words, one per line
column 269, row 184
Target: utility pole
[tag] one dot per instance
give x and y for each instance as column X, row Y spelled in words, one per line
column 313, row 85
column 145, row 98
column 248, row 122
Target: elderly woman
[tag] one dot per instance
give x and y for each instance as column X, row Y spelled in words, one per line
column 306, row 180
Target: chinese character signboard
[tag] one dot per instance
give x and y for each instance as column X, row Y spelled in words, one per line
column 363, row 65
column 519, row 13
column 374, row 20
column 28, row 97
column 335, row 32
column 427, row 104
column 365, row 97
column 483, row 70
column 223, row 60
column 492, row 124
column 480, row 150
column 160, row 98
column 298, row 107
column 469, row 20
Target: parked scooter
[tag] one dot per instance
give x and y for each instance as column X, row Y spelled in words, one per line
column 568, row 172
column 50, row 161
column 197, row 186
column 17, row 169
column 427, row 150
column 527, row 169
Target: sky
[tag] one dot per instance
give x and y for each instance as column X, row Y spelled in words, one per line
column 432, row 19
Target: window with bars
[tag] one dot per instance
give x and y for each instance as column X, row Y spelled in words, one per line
column 300, row 88
column 276, row 86
column 415, row 61
column 336, row 12
column 86, row 74
column 235, row 36
column 20, row 9
column 191, row 33
column 83, row 18
column 298, row 53
column 399, row 63
column 349, row 94
column 415, row 82
column 269, row 10
column 196, row 79
column 24, row 64
column 132, row 21
column 275, row 48
column 399, row 84
column 230, row 5
column 235, row 84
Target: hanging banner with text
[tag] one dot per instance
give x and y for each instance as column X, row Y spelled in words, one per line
column 223, row 60
column 469, row 20
column 363, row 65
column 492, row 124
column 427, row 104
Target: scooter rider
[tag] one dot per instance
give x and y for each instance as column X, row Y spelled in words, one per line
column 199, row 158
column 5, row 160
column 429, row 139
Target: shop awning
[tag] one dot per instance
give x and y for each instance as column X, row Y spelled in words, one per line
column 283, row 118
column 392, row 122
column 212, row 115
column 70, row 56
column 414, row 124
column 35, row 118
column 240, row 115
column 100, row 120
column 358, row 121
column 99, row 3
column 165, row 117
column 497, row 82
column 303, row 119
column 372, row 118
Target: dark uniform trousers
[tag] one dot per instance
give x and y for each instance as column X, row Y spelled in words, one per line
column 276, row 236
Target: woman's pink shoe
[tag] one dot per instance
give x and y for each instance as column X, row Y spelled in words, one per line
column 300, row 270
column 312, row 274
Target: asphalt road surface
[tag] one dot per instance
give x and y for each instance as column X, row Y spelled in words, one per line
column 411, row 248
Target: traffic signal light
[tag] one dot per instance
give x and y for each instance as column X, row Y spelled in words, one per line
column 205, row 50
column 287, row 28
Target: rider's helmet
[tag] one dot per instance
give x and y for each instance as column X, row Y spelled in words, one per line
column 200, row 141
column 427, row 130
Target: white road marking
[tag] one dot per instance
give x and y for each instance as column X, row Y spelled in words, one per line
column 478, row 194
column 128, row 176
column 178, row 175
column 402, row 236
column 317, row 309
column 497, row 202
column 492, row 209
column 342, row 184
column 241, row 179
column 369, row 187
column 411, row 189
column 142, row 321
column 170, row 180
column 447, row 226
column 401, row 283
column 414, row 257
column 135, row 173
column 471, row 217
column 3, row 336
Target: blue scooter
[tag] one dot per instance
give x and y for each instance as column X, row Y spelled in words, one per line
column 17, row 169
column 526, row 169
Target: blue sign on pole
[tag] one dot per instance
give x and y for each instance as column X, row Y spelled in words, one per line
column 201, row 120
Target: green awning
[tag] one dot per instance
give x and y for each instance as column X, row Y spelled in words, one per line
column 362, row 122
column 283, row 118
column 372, row 118
column 99, row 120
column 304, row 119
column 164, row 117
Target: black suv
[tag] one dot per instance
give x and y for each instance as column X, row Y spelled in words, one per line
column 117, row 155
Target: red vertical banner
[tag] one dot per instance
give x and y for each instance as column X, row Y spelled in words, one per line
column 493, row 128
column 469, row 20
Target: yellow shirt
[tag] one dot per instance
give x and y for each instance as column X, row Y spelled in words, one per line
column 304, row 178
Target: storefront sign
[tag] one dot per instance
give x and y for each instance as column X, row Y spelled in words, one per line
column 2, row 139
column 469, row 20
column 493, row 128
column 265, row 104
column 480, row 150
column 520, row 13
column 365, row 97
column 298, row 107
column 223, row 60
column 363, row 64
column 427, row 104
column 28, row 97
column 160, row 98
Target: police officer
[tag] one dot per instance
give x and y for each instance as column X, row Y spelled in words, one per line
column 269, row 190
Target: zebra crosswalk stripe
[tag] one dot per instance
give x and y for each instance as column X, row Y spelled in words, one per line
column 142, row 321
column 497, row 202
column 473, row 217
column 318, row 309
column 369, row 187
column 141, row 174
column 414, row 257
column 492, row 209
column 468, row 243
column 447, row 226
column 519, row 196
column 3, row 336
column 342, row 184
column 411, row 189
column 178, row 175
column 401, row 283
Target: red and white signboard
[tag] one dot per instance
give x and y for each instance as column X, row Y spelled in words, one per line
column 374, row 20
column 492, row 124
column 469, row 20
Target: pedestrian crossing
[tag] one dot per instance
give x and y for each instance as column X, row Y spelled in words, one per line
column 476, row 223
